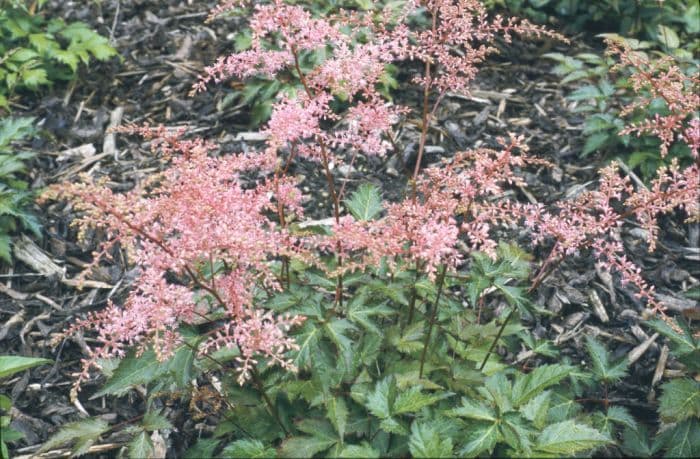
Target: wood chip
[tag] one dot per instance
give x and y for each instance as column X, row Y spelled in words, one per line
column 639, row 351
column 83, row 151
column 598, row 307
column 660, row 366
column 31, row 254
column 109, row 146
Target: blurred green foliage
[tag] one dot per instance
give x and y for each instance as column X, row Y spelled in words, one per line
column 15, row 196
column 658, row 28
column 36, row 51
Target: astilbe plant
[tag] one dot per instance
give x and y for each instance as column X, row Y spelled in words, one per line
column 208, row 239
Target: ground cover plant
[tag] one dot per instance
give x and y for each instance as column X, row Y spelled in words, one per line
column 376, row 331
column 36, row 51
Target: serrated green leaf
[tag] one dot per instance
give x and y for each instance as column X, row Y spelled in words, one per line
column 153, row 420
column 391, row 425
column 365, row 203
column 668, row 37
column 536, row 409
column 362, row 313
column 248, row 448
column 363, row 450
column 380, row 401
column 426, row 442
column 529, row 386
column 10, row 364
column 32, row 78
column 133, row 371
column 516, row 433
column 337, row 330
column 680, row 440
column 680, row 399
column 410, row 340
column 204, row 448
column 480, row 439
column 337, row 413
column 414, row 400
column 684, row 343
column 472, row 409
column 569, row 437
column 84, row 433
column 141, row 446
column 594, row 142
column 600, row 361
column 304, row 446
column 621, row 415
column 498, row 389
column 635, row 442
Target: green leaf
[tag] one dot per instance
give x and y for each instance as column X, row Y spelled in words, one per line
column 5, row 249
column 410, row 341
column 680, row 440
column 133, row 371
column 472, row 409
column 414, row 400
column 141, row 446
column 680, row 400
column 529, row 386
column 204, row 447
column 84, row 433
column 516, row 433
column 621, row 415
column 600, row 361
column 336, row 330
column 153, row 420
column 10, row 364
column 5, row 402
column 594, row 142
column 361, row 312
column 635, row 442
column 32, row 78
column 426, row 442
column 585, row 93
column 391, row 425
column 365, row 203
column 684, row 343
column 536, row 409
column 380, row 401
column 304, row 446
column 248, row 448
column 337, row 413
column 360, row 451
column 569, row 437
column 481, row 438
column 668, row 37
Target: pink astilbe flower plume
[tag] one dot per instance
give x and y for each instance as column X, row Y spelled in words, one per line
column 194, row 212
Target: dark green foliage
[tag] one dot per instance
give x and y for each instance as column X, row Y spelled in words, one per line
column 15, row 196
column 603, row 369
column 36, row 51
column 666, row 22
column 600, row 99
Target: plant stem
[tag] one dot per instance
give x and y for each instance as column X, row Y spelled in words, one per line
column 329, row 178
column 498, row 336
column 433, row 317
column 270, row 406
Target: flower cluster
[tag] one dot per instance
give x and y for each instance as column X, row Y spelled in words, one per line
column 186, row 221
column 204, row 236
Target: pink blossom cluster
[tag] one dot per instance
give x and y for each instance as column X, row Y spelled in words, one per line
column 196, row 213
column 204, row 236
column 661, row 79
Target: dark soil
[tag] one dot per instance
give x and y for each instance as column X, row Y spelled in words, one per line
column 164, row 45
